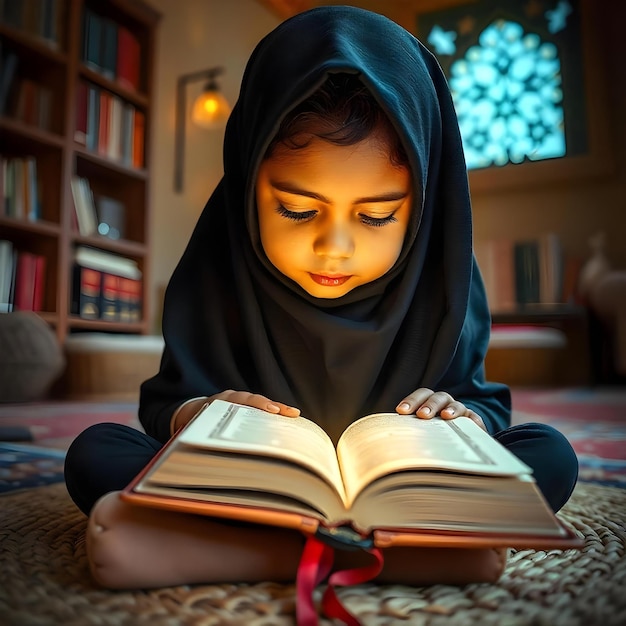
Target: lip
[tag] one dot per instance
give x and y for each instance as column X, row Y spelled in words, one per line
column 326, row 280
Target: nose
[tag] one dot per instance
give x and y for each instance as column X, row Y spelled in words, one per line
column 335, row 241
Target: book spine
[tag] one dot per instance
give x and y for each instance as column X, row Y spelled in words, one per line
column 25, row 281
column 93, row 118
column 92, row 40
column 108, row 53
column 6, row 275
column 527, row 288
column 138, row 139
column 39, row 282
column 109, row 309
column 86, row 291
column 82, row 108
column 128, row 59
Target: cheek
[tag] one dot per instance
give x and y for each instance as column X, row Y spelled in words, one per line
column 282, row 245
column 383, row 251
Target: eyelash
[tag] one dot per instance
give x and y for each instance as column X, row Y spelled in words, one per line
column 368, row 220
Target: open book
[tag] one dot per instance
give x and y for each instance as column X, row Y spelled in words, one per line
column 400, row 479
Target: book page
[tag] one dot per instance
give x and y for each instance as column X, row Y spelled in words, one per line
column 388, row 442
column 227, row 426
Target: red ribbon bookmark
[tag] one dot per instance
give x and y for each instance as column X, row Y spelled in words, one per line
column 315, row 564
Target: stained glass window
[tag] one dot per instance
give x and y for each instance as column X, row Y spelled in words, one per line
column 515, row 72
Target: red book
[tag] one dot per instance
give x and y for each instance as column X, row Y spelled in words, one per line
column 128, row 59
column 40, row 281
column 25, row 281
column 80, row 131
column 138, row 139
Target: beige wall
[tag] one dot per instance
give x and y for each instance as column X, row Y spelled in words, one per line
column 193, row 35
column 196, row 34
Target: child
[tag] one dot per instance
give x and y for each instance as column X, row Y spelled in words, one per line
column 330, row 273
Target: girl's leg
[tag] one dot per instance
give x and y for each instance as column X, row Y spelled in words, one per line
column 138, row 547
column 104, row 458
column 135, row 547
column 551, row 456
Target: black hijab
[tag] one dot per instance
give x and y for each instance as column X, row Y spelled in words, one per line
column 232, row 321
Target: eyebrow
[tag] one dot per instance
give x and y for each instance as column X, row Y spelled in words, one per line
column 288, row 187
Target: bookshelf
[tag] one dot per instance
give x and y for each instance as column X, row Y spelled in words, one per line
column 76, row 100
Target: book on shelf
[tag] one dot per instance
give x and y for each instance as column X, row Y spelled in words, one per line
column 9, row 63
column 29, row 281
column 109, row 126
column 395, row 478
column 92, row 40
column 82, row 106
column 39, row 18
column 86, row 289
column 33, row 104
column 519, row 273
column 128, row 59
column 21, row 188
column 8, row 264
column 108, row 55
column 84, row 206
column 106, row 286
column 111, row 49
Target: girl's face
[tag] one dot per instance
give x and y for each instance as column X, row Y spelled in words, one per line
column 333, row 217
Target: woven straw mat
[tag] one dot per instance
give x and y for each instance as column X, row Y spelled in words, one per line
column 44, row 579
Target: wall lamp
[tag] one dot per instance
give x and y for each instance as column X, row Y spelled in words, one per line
column 210, row 110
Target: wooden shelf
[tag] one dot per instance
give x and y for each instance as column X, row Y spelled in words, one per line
column 59, row 69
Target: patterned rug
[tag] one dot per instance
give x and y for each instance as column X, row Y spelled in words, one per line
column 594, row 422
column 51, row 426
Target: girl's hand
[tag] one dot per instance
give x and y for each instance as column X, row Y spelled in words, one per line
column 426, row 403
column 188, row 409
column 257, row 401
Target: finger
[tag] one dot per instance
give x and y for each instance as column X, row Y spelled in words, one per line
column 434, row 404
column 454, row 409
column 260, row 401
column 412, row 402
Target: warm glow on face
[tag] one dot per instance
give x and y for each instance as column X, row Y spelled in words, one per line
column 333, row 217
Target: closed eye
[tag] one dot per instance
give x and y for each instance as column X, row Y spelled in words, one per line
column 296, row 216
column 368, row 220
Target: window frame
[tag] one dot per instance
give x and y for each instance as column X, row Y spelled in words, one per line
column 597, row 161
